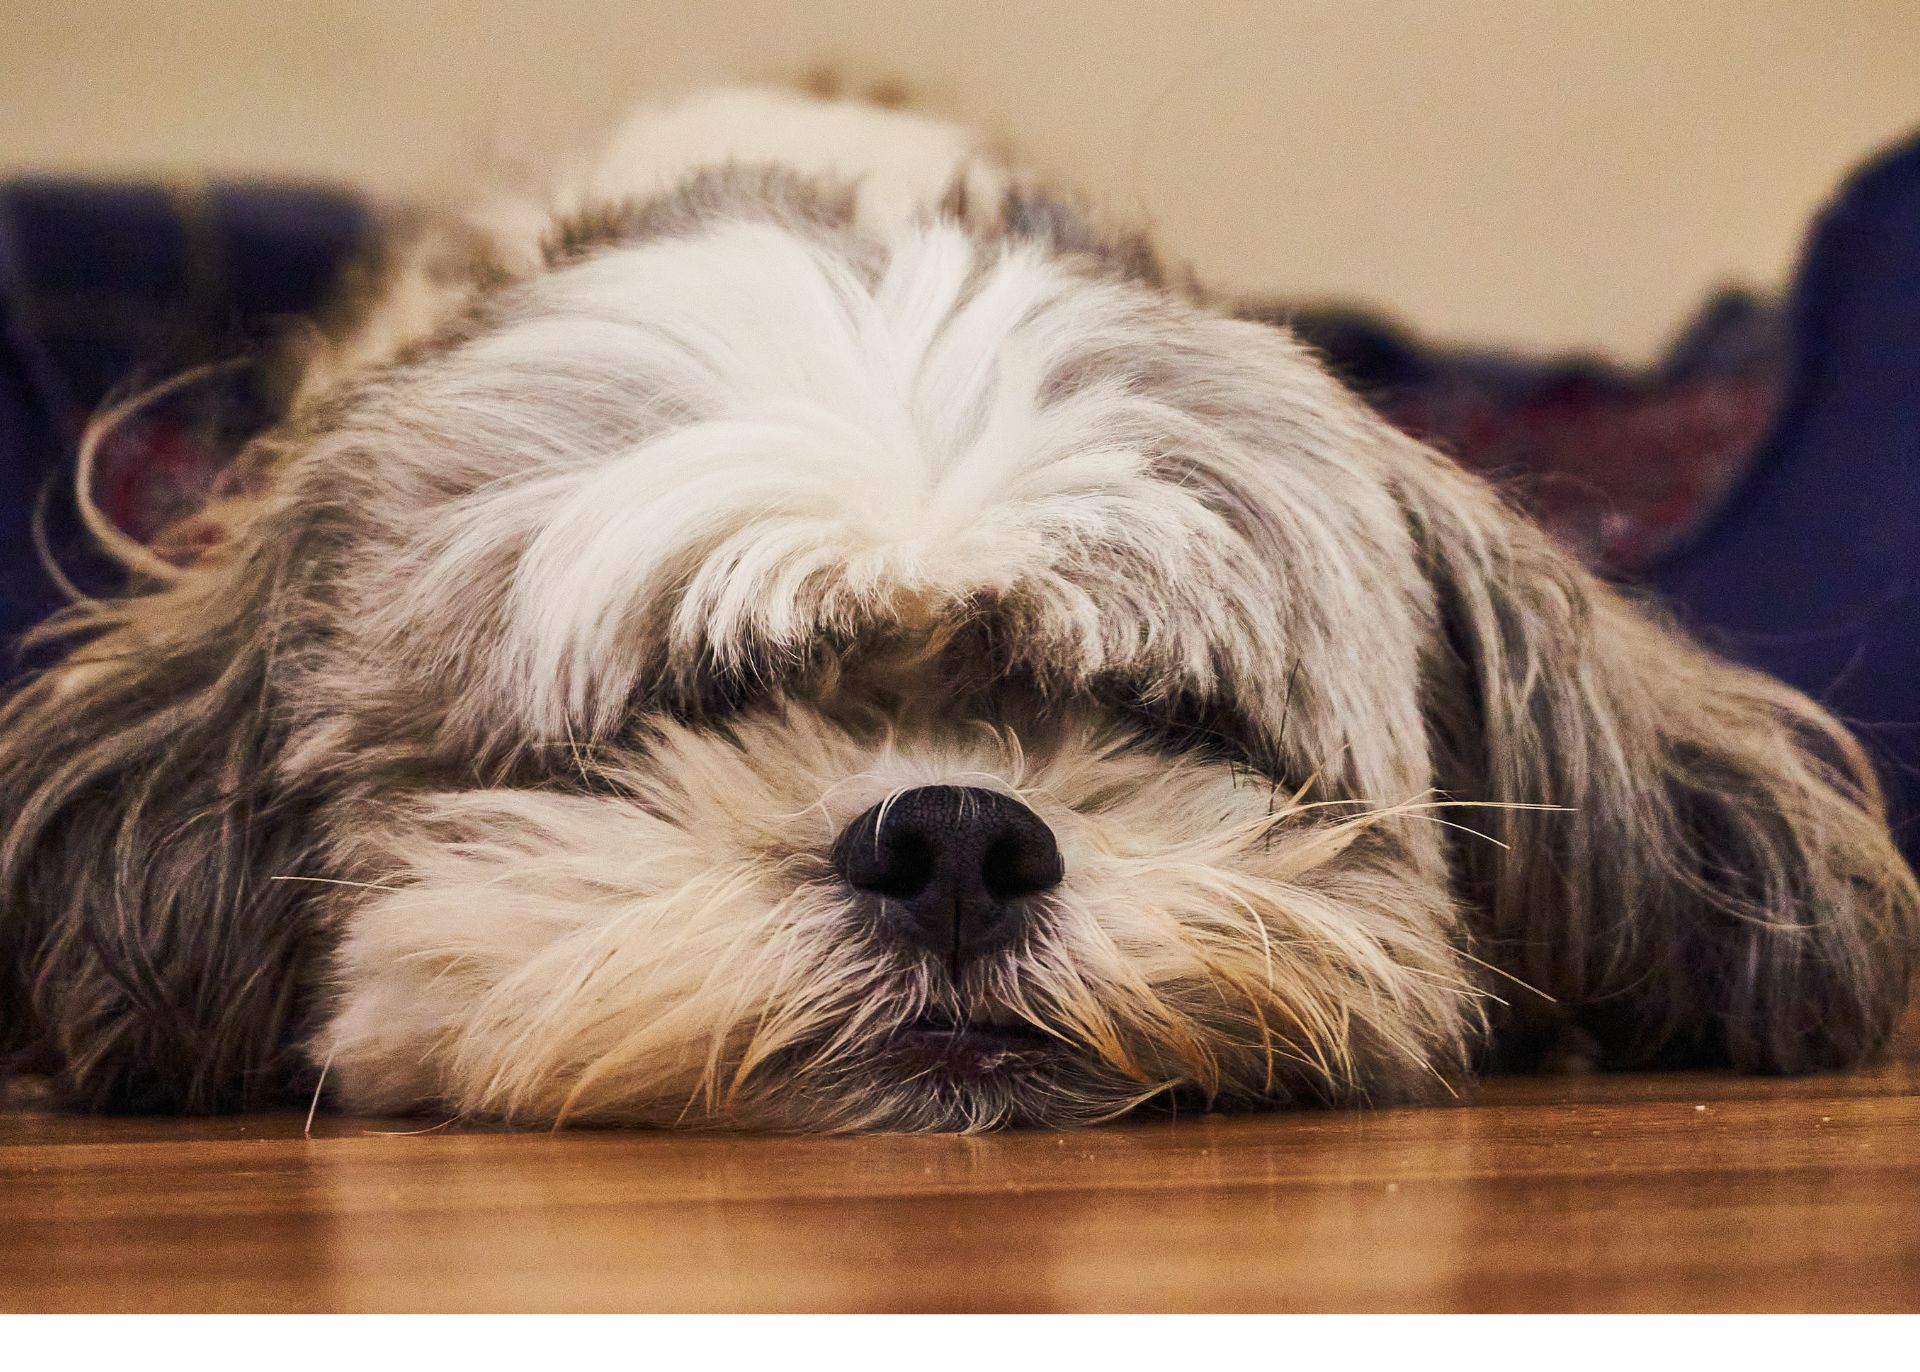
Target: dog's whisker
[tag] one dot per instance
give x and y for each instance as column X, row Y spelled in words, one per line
column 319, row 1085
column 336, row 881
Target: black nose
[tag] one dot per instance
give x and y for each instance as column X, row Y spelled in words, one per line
column 954, row 866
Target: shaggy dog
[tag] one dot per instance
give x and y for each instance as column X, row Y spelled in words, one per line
column 795, row 629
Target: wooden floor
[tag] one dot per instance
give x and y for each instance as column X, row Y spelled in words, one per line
column 1682, row 1192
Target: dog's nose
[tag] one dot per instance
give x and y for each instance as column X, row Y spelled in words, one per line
column 955, row 866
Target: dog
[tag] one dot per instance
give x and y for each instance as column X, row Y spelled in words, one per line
column 797, row 627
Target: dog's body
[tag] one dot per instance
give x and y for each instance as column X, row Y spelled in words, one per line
column 799, row 631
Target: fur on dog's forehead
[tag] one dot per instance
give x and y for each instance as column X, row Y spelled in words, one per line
column 717, row 437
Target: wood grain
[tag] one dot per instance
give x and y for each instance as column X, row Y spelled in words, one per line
column 1669, row 1192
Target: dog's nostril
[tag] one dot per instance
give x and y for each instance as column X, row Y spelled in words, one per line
column 901, row 867
column 1020, row 864
column 954, row 865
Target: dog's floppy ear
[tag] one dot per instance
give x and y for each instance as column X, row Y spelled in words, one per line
column 146, row 957
column 1722, row 885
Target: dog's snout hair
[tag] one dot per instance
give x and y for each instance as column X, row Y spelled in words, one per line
column 795, row 478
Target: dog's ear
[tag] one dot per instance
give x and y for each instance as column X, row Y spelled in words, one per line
column 1721, row 885
column 146, row 955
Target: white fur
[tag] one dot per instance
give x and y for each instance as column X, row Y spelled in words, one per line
column 691, row 446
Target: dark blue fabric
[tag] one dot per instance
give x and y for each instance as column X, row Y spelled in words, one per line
column 1811, row 570
column 31, row 406
column 104, row 287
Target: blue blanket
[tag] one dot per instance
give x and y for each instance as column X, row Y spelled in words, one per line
column 1811, row 568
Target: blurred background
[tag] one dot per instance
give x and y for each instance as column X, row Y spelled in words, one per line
column 1548, row 174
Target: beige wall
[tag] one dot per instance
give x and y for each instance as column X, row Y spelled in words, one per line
column 1545, row 172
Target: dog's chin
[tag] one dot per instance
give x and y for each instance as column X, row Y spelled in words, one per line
column 937, row 1078
column 936, row 1074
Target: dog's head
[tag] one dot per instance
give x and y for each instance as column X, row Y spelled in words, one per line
column 770, row 668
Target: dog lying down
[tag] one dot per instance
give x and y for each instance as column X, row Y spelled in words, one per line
column 794, row 628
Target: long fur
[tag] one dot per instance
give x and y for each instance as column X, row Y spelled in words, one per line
column 634, row 541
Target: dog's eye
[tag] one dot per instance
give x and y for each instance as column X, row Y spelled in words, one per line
column 712, row 694
column 713, row 698
column 1182, row 724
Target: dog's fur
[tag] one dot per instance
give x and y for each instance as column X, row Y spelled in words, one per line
column 640, row 537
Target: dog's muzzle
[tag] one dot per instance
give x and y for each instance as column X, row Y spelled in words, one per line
column 954, row 870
